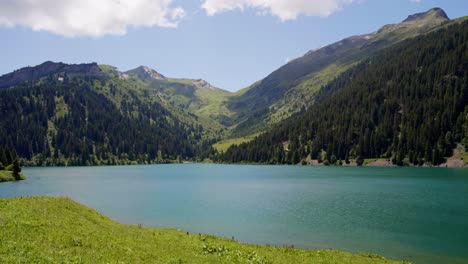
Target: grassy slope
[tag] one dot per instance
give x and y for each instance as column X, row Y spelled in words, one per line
column 8, row 176
column 206, row 103
column 225, row 144
column 58, row 230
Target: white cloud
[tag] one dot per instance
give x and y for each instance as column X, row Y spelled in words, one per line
column 73, row 18
column 284, row 9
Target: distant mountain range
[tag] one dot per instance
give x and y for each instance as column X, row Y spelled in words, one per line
column 48, row 120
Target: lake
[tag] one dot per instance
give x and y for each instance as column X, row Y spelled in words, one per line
column 416, row 214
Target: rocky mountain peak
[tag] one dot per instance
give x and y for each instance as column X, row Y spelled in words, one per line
column 434, row 13
column 202, row 84
column 146, row 74
column 413, row 25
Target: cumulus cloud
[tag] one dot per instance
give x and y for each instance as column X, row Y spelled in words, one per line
column 284, row 9
column 73, row 18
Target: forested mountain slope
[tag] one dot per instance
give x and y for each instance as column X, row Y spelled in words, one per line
column 108, row 109
column 294, row 86
column 81, row 120
column 409, row 103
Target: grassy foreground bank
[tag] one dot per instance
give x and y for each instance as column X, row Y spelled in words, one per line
column 59, row 230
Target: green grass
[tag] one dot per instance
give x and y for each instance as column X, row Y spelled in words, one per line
column 8, row 176
column 225, row 144
column 58, row 230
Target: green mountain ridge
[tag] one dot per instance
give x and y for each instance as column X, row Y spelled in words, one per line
column 86, row 120
column 407, row 104
column 195, row 96
column 293, row 87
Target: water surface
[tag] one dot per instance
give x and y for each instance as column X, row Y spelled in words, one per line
column 416, row 214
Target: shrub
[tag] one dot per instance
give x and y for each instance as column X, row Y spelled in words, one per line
column 16, row 170
column 359, row 161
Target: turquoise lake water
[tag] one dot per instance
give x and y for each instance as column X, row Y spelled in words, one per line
column 415, row 214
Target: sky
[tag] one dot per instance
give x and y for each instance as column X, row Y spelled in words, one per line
column 229, row 43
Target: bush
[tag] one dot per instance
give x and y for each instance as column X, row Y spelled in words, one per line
column 16, row 170
column 359, row 161
column 16, row 167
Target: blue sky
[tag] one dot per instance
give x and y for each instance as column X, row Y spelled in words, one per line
column 229, row 43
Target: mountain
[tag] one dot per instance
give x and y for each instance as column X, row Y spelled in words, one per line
column 434, row 15
column 58, row 113
column 79, row 114
column 145, row 74
column 195, row 96
column 89, row 114
column 31, row 74
column 407, row 103
column 293, row 87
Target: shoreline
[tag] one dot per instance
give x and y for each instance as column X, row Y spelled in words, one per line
column 65, row 223
column 453, row 164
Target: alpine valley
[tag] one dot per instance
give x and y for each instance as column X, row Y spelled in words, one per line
column 397, row 96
